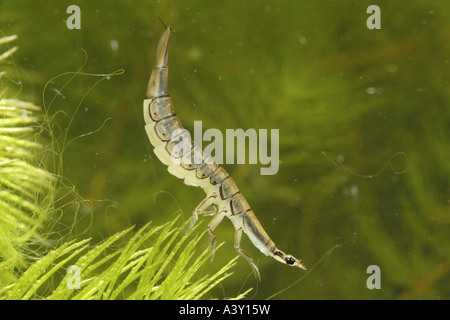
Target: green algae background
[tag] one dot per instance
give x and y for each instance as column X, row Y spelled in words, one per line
column 363, row 115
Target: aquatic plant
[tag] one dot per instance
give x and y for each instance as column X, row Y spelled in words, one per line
column 25, row 189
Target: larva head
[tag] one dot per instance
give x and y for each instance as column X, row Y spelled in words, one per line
column 288, row 259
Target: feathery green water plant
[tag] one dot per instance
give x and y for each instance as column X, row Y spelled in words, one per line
column 142, row 269
column 25, row 189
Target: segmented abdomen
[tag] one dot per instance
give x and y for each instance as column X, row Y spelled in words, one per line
column 171, row 141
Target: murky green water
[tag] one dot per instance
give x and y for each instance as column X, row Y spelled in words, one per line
column 363, row 116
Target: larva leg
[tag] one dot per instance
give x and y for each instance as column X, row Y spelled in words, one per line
column 237, row 246
column 215, row 221
column 202, row 209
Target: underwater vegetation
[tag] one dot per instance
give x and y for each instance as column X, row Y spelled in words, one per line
column 364, row 130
